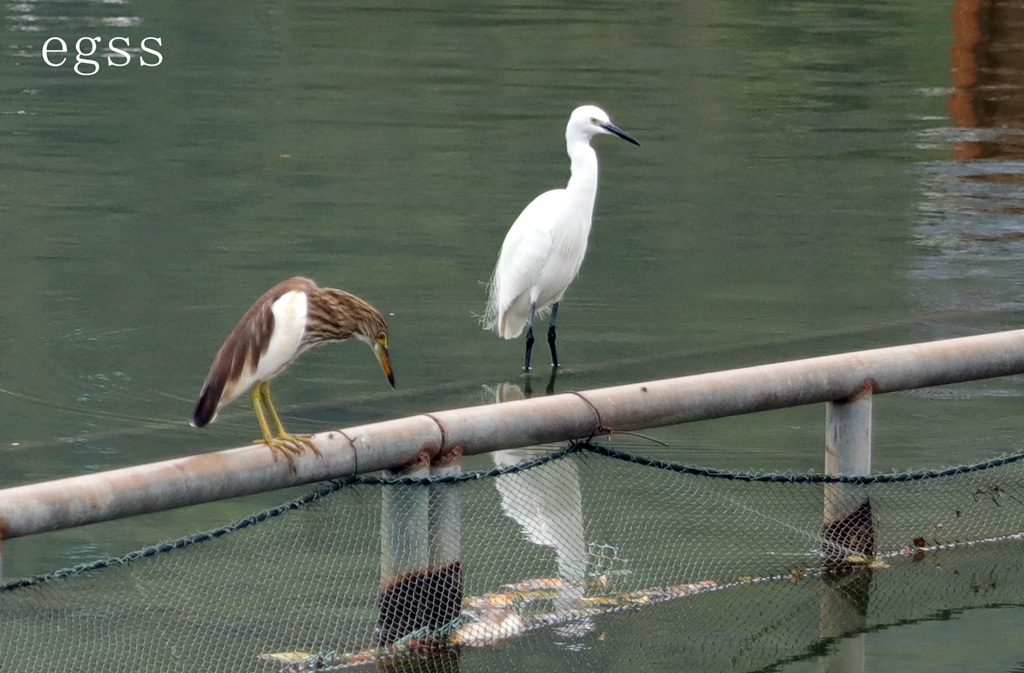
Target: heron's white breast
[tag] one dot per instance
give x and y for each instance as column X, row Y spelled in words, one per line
column 290, row 312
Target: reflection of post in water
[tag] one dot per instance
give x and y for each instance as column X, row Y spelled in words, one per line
column 987, row 68
column 421, row 573
column 848, row 530
column 439, row 661
column 843, row 611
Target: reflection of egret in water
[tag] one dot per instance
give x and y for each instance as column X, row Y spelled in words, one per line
column 507, row 391
column 547, row 503
column 548, row 390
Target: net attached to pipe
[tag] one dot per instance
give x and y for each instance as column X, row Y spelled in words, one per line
column 585, row 558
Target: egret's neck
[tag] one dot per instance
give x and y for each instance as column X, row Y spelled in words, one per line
column 583, row 183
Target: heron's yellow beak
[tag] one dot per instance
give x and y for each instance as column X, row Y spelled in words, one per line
column 381, row 351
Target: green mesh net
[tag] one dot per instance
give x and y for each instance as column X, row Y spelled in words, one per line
column 581, row 559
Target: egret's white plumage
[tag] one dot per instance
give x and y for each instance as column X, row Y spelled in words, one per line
column 545, row 247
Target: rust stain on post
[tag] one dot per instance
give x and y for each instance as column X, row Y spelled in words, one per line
column 865, row 389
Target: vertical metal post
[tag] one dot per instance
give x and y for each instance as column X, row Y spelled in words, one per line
column 848, row 529
column 848, row 435
column 445, row 591
column 421, row 570
column 404, row 555
column 445, row 523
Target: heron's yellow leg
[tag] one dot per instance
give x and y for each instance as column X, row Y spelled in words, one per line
column 264, row 387
column 254, row 396
column 277, row 445
column 294, row 443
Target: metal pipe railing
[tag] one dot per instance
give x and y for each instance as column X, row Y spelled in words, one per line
column 75, row 501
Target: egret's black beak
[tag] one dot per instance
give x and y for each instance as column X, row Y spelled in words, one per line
column 615, row 130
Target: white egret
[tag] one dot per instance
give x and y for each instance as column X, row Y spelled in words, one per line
column 289, row 319
column 545, row 246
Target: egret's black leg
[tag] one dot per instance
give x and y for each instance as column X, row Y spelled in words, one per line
column 527, row 388
column 551, row 335
column 529, row 349
column 529, row 338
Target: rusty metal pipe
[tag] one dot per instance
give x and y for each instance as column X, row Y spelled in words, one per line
column 36, row 508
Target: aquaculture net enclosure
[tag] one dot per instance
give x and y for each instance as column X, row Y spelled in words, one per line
column 578, row 559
